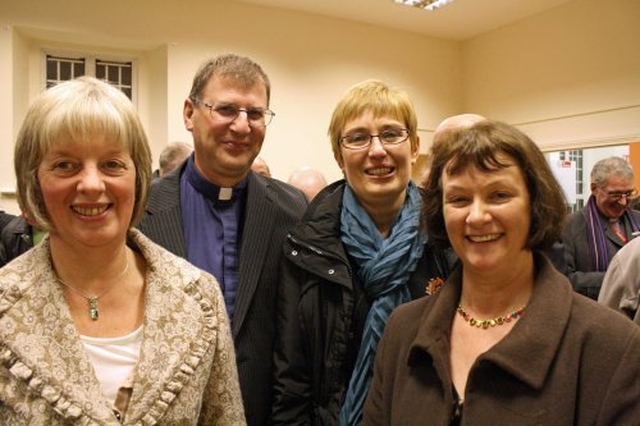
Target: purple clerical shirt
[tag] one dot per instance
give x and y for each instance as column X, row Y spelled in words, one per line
column 211, row 218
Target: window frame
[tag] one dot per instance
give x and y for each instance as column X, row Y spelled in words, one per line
column 91, row 59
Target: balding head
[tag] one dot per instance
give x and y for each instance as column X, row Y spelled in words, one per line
column 172, row 156
column 260, row 166
column 455, row 122
column 309, row 180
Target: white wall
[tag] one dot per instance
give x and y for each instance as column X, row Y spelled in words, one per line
column 6, row 115
column 567, row 77
column 311, row 61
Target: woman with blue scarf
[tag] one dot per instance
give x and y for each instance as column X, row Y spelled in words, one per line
column 357, row 254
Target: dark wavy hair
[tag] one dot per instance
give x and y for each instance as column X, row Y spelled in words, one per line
column 483, row 145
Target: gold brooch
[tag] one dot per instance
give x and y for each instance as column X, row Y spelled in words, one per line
column 433, row 286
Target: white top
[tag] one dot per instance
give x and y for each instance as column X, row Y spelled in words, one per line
column 113, row 359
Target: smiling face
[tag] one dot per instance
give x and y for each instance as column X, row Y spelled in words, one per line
column 224, row 151
column 88, row 188
column 608, row 204
column 487, row 216
column 378, row 174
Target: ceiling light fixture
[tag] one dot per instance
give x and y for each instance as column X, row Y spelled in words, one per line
column 424, row 4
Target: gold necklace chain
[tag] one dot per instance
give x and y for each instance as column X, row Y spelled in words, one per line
column 94, row 313
column 486, row 323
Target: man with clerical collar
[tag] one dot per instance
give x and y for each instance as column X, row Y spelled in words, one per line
column 594, row 234
column 227, row 220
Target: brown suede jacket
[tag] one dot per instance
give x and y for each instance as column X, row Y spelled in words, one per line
column 567, row 361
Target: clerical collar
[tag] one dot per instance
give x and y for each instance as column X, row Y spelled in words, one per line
column 209, row 189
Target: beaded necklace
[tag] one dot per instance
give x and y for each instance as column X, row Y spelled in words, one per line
column 486, row 323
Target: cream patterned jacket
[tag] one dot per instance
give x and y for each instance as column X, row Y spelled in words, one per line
column 186, row 374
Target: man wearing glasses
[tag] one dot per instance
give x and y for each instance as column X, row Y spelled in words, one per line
column 593, row 235
column 227, row 220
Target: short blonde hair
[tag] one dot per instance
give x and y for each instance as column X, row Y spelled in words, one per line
column 381, row 100
column 77, row 110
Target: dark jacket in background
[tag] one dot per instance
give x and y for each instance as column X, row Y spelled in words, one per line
column 272, row 208
column 321, row 314
column 580, row 269
column 555, row 253
column 15, row 239
column 5, row 218
column 567, row 361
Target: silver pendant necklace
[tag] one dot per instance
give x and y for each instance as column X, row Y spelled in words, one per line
column 94, row 313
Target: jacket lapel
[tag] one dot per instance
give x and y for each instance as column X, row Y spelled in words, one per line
column 258, row 221
column 163, row 368
column 43, row 350
column 49, row 356
column 163, row 219
column 546, row 311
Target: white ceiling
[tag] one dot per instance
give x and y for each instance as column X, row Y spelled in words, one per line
column 460, row 20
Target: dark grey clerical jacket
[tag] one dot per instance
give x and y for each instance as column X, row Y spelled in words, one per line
column 272, row 208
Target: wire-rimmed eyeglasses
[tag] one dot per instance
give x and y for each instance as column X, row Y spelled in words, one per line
column 619, row 195
column 361, row 140
column 257, row 117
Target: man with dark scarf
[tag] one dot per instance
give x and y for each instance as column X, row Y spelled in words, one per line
column 594, row 234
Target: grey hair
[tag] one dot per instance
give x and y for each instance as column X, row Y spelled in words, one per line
column 610, row 166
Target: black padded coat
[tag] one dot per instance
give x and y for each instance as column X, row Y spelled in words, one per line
column 321, row 314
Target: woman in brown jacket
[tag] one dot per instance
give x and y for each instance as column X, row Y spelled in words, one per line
column 505, row 340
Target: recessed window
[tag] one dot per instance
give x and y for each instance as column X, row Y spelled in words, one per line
column 116, row 73
column 61, row 68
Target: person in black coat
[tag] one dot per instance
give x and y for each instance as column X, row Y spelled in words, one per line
column 357, row 254
column 5, row 218
column 16, row 237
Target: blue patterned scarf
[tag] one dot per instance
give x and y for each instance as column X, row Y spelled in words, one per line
column 385, row 268
column 597, row 240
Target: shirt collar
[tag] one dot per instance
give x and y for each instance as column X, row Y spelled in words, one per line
column 209, row 189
